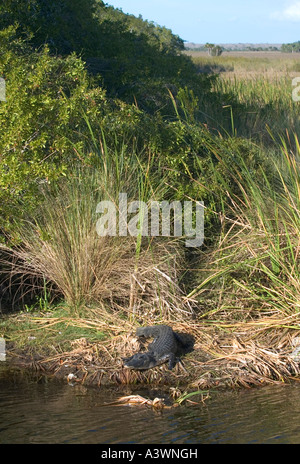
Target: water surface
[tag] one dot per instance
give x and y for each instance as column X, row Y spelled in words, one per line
column 37, row 410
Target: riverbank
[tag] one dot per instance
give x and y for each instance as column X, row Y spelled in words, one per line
column 85, row 130
column 89, row 352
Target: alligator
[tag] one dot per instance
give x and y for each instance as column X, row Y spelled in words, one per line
column 165, row 346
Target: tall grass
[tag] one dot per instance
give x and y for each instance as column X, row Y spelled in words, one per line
column 254, row 266
column 246, row 62
column 263, row 102
column 249, row 265
column 60, row 245
column 256, row 90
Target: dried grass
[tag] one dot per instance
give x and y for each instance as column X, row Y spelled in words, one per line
column 248, row 296
column 224, row 355
column 62, row 251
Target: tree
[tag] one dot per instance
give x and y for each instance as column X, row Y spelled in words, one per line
column 213, row 50
column 291, row 47
column 209, row 47
column 218, row 50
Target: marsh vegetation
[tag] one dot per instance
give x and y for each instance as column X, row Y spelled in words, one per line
column 121, row 107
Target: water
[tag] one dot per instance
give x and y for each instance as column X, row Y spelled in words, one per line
column 37, row 410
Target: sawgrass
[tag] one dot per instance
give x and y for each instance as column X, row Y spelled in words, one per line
column 254, row 265
column 242, row 63
column 60, row 247
column 257, row 92
column 260, row 102
column 243, row 308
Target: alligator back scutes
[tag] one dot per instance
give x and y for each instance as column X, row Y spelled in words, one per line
column 164, row 347
column 164, row 339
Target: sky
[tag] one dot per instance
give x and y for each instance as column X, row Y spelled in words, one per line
column 222, row 21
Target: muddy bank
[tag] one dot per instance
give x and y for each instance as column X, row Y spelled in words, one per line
column 219, row 360
column 94, row 364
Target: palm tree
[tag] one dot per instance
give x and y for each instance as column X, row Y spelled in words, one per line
column 209, row 47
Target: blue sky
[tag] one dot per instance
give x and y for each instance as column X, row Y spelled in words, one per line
column 222, row 21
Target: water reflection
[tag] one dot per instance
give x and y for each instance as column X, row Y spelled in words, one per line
column 44, row 411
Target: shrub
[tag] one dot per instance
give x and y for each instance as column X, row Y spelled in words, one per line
column 61, row 248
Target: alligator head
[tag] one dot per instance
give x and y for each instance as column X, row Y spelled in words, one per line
column 141, row 361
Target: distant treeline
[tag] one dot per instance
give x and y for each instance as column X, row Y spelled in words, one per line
column 204, row 48
column 291, row 47
column 286, row 48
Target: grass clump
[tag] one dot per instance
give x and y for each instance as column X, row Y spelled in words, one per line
column 61, row 248
column 254, row 265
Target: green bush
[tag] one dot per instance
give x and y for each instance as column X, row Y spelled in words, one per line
column 127, row 54
column 44, row 121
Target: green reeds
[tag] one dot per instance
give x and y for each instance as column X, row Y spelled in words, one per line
column 258, row 88
column 254, row 266
column 60, row 245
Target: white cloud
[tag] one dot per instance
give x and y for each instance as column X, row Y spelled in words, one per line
column 290, row 13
